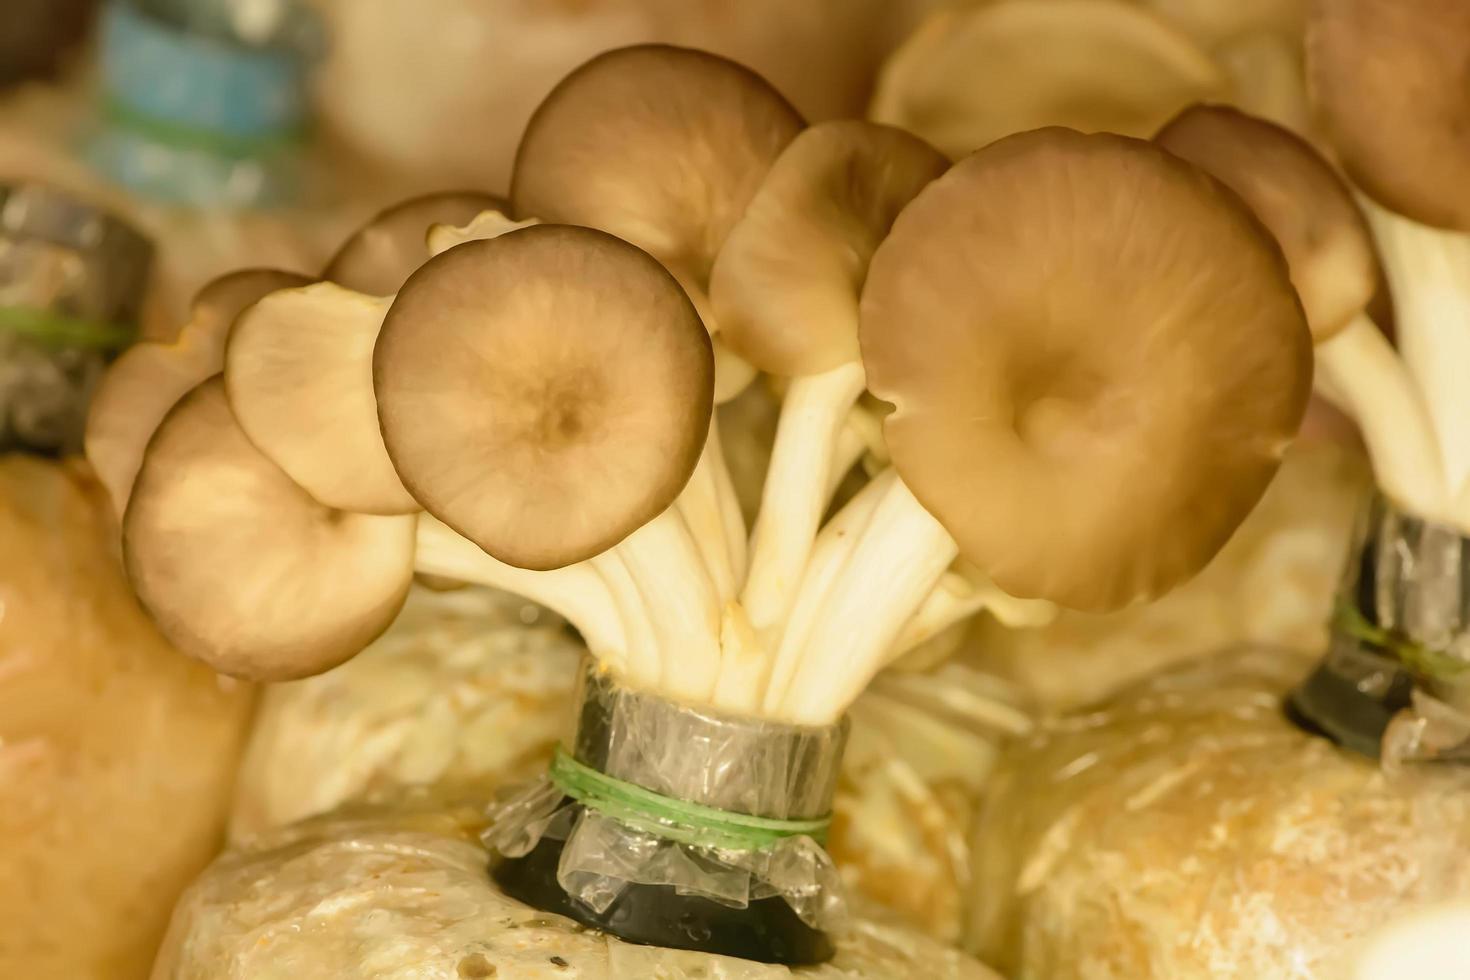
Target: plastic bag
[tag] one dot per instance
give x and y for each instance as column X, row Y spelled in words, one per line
column 402, row 893
column 459, row 692
column 117, row 755
column 1187, row 830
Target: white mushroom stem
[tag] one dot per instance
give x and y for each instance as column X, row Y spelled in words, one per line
column 710, row 508
column 576, row 592
column 642, row 664
column 731, row 517
column 743, row 664
column 982, row 700
column 733, row 373
column 1429, row 273
column 796, row 490
column 681, row 602
column 845, row 454
column 961, row 593
column 898, row 560
column 1361, row 374
column 830, row 553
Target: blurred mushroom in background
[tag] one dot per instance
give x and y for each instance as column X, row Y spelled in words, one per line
column 481, row 66
column 974, row 71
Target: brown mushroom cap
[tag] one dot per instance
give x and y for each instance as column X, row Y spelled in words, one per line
column 661, row 146
column 974, row 73
column 785, row 287
column 544, row 393
column 1096, row 359
column 146, row 381
column 1297, row 195
column 240, row 567
column 299, row 375
column 381, row 254
column 1390, row 80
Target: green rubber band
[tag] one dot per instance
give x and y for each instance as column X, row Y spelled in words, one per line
column 65, row 331
column 676, row 820
column 1427, row 662
column 195, row 137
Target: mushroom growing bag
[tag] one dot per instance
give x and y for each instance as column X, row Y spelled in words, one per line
column 401, row 890
column 460, row 694
column 1186, row 829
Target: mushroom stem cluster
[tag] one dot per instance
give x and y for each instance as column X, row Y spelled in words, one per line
column 1428, row 271
column 1058, row 332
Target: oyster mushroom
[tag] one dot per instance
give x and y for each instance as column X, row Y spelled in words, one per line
column 785, row 290
column 377, row 257
column 300, row 363
column 1388, row 79
column 515, row 375
column 298, row 367
column 1311, row 212
column 971, row 75
column 664, row 147
column 547, row 395
column 1096, row 359
column 240, row 567
column 145, row 382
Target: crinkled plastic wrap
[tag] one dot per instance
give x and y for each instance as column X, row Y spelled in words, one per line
column 1188, row 830
column 460, row 692
column 745, row 765
column 117, row 754
column 1400, row 651
column 401, row 893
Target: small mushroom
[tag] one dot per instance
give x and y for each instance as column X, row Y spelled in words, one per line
column 1297, row 195
column 1388, row 79
column 240, row 567
column 299, row 366
column 544, row 393
column 547, row 395
column 146, row 381
column 664, row 147
column 785, row 291
column 973, row 74
column 1096, row 359
column 381, row 254
column 1311, row 212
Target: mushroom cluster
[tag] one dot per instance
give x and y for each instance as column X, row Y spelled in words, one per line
column 1066, row 367
column 1404, row 150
